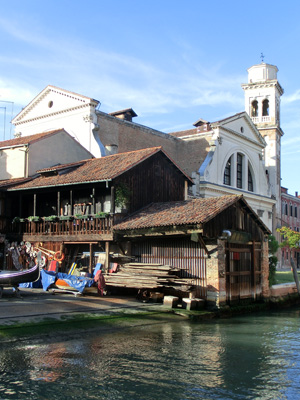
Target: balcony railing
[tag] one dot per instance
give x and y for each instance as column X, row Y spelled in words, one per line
column 64, row 226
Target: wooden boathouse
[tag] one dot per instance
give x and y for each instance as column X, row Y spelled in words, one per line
column 219, row 243
column 73, row 207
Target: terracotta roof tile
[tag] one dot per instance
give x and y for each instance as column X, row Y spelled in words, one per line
column 196, row 211
column 12, row 182
column 27, row 139
column 91, row 170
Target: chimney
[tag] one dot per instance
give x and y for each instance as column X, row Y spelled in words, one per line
column 125, row 115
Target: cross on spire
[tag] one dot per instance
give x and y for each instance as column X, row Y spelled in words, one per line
column 262, row 57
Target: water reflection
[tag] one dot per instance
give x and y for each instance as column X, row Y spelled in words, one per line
column 253, row 357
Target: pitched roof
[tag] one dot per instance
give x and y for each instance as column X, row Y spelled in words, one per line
column 189, row 212
column 91, row 170
column 12, row 182
column 22, row 140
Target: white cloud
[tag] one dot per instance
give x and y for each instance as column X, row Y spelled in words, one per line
column 291, row 98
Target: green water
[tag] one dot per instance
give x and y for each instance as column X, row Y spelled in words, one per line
column 251, row 357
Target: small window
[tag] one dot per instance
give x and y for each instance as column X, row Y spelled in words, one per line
column 50, row 104
column 254, row 109
column 291, row 210
column 227, row 173
column 239, row 171
column 296, row 212
column 265, row 108
column 250, row 180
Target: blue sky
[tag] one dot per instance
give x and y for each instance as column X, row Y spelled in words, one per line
column 173, row 62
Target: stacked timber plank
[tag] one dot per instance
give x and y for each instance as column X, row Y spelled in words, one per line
column 147, row 276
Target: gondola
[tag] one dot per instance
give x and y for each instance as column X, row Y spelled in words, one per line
column 14, row 278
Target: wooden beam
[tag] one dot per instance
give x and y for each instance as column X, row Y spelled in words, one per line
column 112, row 199
column 34, row 204
column 91, row 258
column 58, row 203
column 201, row 241
column 71, row 201
column 106, row 264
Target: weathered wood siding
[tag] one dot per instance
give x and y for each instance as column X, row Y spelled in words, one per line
column 233, row 218
column 180, row 253
column 155, row 180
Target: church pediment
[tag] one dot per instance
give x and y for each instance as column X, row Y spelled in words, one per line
column 242, row 126
column 51, row 101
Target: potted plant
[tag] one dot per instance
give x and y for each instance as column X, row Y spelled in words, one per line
column 81, row 216
column 16, row 220
column 33, row 218
column 65, row 217
column 101, row 215
column 50, row 218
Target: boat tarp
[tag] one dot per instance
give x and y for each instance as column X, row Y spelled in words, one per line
column 36, row 285
column 76, row 282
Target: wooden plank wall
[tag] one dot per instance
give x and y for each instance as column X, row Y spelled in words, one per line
column 180, row 253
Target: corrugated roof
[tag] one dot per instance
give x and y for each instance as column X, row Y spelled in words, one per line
column 91, row 170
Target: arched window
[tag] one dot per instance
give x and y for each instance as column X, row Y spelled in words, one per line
column 239, row 171
column 250, row 180
column 254, row 108
column 265, row 108
column 227, row 173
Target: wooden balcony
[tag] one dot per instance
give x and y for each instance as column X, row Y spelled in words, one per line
column 68, row 229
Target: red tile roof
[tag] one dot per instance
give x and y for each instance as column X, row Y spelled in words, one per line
column 12, row 182
column 28, row 139
column 91, row 170
column 189, row 212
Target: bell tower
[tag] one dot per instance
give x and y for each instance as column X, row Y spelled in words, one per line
column 262, row 103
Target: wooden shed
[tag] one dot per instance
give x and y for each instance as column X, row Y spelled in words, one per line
column 218, row 242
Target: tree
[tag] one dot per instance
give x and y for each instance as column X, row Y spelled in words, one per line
column 273, row 247
column 291, row 239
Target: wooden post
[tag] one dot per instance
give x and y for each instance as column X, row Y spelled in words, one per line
column 34, row 204
column 106, row 265
column 58, row 203
column 94, row 201
column 112, row 200
column 91, row 258
column 71, row 202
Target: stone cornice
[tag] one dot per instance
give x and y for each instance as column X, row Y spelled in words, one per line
column 261, row 144
column 61, row 92
column 53, row 114
column 263, row 84
column 222, row 189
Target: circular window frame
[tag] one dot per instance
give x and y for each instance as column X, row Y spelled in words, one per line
column 50, row 104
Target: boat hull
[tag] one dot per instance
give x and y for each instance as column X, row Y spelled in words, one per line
column 14, row 278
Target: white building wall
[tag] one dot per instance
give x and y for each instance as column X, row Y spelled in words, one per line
column 12, row 162
column 59, row 109
column 57, row 149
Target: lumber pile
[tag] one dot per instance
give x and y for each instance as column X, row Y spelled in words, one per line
column 147, row 276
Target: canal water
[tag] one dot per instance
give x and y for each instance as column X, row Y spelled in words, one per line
column 250, row 357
